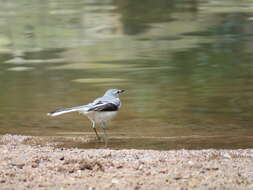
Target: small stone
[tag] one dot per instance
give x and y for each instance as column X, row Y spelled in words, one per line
column 140, row 167
column 177, row 178
column 34, row 165
column 115, row 180
column 226, row 155
column 190, row 162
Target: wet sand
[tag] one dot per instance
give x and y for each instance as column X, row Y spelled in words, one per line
column 36, row 163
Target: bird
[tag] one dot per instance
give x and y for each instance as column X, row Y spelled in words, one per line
column 100, row 111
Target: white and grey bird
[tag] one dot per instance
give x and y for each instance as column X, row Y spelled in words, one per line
column 100, row 111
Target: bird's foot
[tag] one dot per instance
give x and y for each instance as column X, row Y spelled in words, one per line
column 99, row 139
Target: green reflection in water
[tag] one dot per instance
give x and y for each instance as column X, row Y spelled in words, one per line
column 186, row 67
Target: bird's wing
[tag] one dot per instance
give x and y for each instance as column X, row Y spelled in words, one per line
column 104, row 106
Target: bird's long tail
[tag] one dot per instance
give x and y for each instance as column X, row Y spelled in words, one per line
column 66, row 110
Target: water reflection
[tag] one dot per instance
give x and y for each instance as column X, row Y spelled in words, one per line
column 186, row 67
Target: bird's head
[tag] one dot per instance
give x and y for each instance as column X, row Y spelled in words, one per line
column 114, row 92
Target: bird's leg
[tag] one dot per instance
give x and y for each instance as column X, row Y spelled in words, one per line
column 98, row 137
column 94, row 128
column 105, row 134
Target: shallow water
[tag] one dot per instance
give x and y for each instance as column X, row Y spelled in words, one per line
column 186, row 67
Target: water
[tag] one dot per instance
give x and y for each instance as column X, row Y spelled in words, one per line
column 186, row 66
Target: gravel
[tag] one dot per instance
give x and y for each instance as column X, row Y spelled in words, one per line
column 26, row 163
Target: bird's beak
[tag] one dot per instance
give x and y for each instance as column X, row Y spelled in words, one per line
column 121, row 91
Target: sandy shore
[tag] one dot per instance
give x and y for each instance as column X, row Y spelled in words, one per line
column 25, row 164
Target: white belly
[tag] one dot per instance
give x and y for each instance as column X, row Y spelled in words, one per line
column 101, row 117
